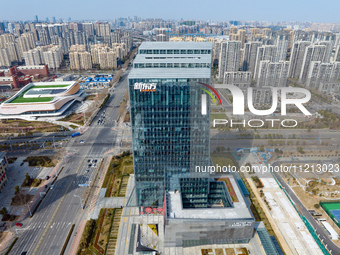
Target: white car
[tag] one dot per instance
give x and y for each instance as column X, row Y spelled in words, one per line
column 82, row 141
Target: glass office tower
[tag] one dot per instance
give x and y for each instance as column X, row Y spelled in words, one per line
column 169, row 132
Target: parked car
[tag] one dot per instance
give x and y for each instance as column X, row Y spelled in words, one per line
column 18, row 224
column 47, row 177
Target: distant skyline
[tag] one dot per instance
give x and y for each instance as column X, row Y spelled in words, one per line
column 326, row 11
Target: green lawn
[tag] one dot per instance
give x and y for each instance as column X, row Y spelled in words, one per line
column 331, row 205
column 36, row 99
column 50, row 86
column 31, row 100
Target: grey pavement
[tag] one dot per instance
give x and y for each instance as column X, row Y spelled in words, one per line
column 106, row 202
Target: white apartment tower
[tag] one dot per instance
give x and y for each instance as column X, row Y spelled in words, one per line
column 229, row 60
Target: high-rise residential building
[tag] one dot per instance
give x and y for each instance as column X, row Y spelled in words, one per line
column 273, row 74
column 104, row 56
column 76, row 26
column 5, row 60
column 337, row 54
column 237, row 78
column 12, row 48
column 254, row 33
column 170, row 131
column 162, row 34
column 291, row 37
column 19, row 28
column 233, row 30
column 240, row 36
column 120, row 49
column 25, row 43
column 107, row 60
column 78, row 48
column 312, row 53
column 249, row 56
column 331, row 39
column 79, row 37
column 102, row 29
column 266, row 52
column 88, row 28
column 44, row 38
column 322, row 73
column 33, row 57
column 296, row 58
column 282, row 41
column 80, row 60
column 6, row 38
column 266, row 32
column 10, row 28
column 53, row 56
column 2, row 28
column 229, row 60
column 50, row 55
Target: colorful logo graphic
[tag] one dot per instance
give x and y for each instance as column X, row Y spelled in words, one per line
column 204, row 97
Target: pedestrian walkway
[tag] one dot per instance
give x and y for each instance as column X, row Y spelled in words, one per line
column 107, row 202
column 76, row 240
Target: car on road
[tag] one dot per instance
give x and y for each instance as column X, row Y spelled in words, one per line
column 18, row 224
column 52, row 186
column 24, row 253
column 45, row 186
column 22, row 164
column 82, row 141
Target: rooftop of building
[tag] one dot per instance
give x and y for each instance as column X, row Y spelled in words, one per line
column 238, row 210
column 169, row 73
column 175, row 45
column 38, row 92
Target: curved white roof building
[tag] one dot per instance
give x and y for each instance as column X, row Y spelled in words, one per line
column 42, row 99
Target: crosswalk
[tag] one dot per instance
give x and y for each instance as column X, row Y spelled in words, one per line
column 54, row 225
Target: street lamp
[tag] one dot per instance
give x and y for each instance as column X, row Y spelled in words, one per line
column 81, row 204
column 29, row 209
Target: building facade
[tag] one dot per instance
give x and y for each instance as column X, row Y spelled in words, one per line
column 171, row 136
column 229, row 60
column 3, row 168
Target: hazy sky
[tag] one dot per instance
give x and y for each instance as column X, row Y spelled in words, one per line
column 217, row 10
